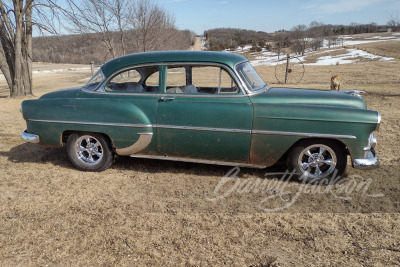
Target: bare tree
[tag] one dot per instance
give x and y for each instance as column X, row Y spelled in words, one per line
column 316, row 32
column 152, row 26
column 394, row 21
column 91, row 16
column 16, row 45
column 300, row 40
column 142, row 22
column 119, row 11
column 282, row 41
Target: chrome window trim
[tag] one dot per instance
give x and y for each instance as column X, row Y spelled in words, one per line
column 249, row 92
column 162, row 94
column 231, row 72
column 100, row 84
column 243, row 91
column 115, row 73
column 209, row 129
column 242, row 85
column 125, row 94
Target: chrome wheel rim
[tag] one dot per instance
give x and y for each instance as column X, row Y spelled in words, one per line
column 317, row 161
column 89, row 149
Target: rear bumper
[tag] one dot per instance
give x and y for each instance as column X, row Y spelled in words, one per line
column 31, row 138
column 370, row 161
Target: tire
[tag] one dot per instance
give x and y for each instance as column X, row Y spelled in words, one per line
column 317, row 159
column 89, row 152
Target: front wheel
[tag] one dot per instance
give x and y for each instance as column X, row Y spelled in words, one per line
column 317, row 159
column 89, row 151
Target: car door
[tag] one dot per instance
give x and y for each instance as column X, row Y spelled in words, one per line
column 203, row 115
column 134, row 92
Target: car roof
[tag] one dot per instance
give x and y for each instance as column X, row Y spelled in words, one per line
column 225, row 58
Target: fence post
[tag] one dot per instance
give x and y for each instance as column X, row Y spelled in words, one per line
column 92, row 67
column 287, row 67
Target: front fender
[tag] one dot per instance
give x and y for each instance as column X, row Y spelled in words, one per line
column 276, row 127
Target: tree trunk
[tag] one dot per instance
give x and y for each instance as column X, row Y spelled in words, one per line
column 4, row 68
column 28, row 51
column 17, row 88
column 16, row 47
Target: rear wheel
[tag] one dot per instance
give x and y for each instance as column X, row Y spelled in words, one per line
column 89, row 151
column 317, row 159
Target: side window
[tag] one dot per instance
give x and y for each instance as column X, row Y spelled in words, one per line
column 176, row 80
column 195, row 79
column 135, row 80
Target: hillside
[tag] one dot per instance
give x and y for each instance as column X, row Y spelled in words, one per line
column 86, row 48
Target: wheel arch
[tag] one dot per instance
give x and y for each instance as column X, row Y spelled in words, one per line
column 316, row 139
column 65, row 134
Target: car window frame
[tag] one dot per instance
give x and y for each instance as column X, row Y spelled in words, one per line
column 102, row 89
column 244, row 84
column 241, row 93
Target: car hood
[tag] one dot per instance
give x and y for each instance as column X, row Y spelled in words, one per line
column 312, row 97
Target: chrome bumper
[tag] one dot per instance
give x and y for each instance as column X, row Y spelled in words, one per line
column 31, row 138
column 370, row 161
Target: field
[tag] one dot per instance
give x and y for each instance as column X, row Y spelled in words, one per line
column 167, row 213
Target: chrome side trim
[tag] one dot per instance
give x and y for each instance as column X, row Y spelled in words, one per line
column 143, row 142
column 98, row 123
column 203, row 161
column 194, row 128
column 203, row 129
column 30, row 138
column 317, row 135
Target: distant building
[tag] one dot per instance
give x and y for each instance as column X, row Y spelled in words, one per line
column 385, row 30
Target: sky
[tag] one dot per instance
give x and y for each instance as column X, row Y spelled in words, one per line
column 274, row 15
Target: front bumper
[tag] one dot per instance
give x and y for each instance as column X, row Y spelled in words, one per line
column 31, row 138
column 369, row 162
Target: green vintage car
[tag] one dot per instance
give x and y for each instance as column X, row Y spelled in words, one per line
column 205, row 107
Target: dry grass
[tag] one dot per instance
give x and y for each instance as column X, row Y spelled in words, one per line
column 154, row 212
column 385, row 49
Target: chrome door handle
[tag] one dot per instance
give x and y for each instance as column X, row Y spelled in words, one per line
column 166, row 99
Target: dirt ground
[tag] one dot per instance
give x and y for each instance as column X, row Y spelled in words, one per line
column 142, row 212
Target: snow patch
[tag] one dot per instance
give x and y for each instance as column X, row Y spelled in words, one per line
column 351, row 56
column 60, row 70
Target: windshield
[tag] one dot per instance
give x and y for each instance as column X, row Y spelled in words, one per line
column 94, row 81
column 251, row 78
